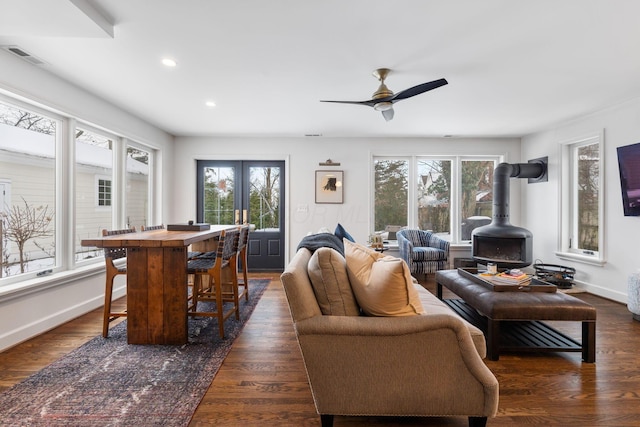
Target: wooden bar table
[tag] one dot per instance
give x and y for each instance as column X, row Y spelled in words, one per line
column 157, row 281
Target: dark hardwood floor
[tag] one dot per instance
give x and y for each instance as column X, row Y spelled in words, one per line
column 263, row 381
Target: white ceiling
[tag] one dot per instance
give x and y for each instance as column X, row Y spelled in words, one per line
column 513, row 67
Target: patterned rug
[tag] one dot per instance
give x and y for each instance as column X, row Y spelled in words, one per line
column 107, row 382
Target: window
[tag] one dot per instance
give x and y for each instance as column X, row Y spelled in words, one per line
column 391, row 192
column 451, row 195
column 28, row 170
column 434, row 195
column 61, row 183
column 581, row 210
column 137, row 186
column 94, row 187
column 104, row 192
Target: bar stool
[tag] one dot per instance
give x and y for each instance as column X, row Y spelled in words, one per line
column 212, row 276
column 242, row 259
column 113, row 270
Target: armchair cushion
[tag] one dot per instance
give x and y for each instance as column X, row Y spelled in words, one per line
column 330, row 282
column 428, row 254
column 383, row 286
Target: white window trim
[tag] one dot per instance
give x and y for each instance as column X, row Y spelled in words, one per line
column 456, row 177
column 66, row 268
column 565, row 222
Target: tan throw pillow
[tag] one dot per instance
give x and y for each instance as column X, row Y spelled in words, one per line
column 328, row 273
column 383, row 285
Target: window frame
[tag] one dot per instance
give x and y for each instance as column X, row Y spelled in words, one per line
column 126, row 142
column 59, row 222
column 412, row 176
column 66, row 266
column 104, row 178
column 568, row 201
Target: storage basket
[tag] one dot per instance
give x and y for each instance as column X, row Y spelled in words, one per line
column 559, row 275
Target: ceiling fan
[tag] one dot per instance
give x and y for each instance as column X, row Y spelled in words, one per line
column 383, row 98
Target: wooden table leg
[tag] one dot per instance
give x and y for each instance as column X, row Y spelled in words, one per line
column 589, row 341
column 493, row 339
column 137, row 297
column 175, row 296
column 157, row 296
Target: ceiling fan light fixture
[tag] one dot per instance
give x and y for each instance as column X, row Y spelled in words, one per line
column 383, row 106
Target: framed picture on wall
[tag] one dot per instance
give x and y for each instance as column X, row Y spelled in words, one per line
column 329, row 186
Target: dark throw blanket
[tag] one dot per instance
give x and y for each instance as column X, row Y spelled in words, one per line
column 322, row 240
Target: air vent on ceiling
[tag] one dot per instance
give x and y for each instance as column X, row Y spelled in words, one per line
column 23, row 54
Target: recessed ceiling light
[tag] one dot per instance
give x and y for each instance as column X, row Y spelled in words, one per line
column 210, row 104
column 169, row 62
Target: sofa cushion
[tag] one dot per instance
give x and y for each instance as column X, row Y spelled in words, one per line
column 327, row 270
column 382, row 285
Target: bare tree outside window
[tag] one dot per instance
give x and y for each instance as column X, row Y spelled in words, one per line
column 23, row 223
column 587, row 197
column 27, row 170
column 264, row 197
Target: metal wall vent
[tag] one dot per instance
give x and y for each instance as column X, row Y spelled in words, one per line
column 23, row 55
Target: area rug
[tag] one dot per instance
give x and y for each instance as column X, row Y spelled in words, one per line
column 107, row 382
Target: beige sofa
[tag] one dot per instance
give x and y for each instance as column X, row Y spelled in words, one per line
column 420, row 365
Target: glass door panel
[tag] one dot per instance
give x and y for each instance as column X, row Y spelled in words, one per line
column 246, row 192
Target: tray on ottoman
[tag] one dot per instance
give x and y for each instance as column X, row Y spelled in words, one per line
column 536, row 285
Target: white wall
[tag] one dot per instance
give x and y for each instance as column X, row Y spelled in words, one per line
column 65, row 295
column 303, row 155
column 621, row 126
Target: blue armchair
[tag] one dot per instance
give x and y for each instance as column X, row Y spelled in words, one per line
column 423, row 251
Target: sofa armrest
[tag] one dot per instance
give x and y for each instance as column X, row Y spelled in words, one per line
column 414, row 365
column 375, row 326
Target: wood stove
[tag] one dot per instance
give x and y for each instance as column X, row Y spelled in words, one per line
column 500, row 242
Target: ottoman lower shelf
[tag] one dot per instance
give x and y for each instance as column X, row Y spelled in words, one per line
column 530, row 335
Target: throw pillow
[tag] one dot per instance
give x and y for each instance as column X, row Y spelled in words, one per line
column 328, row 273
column 382, row 285
column 342, row 233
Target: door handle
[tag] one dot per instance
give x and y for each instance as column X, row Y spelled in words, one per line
column 244, row 218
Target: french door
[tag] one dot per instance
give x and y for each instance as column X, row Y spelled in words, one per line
column 246, row 192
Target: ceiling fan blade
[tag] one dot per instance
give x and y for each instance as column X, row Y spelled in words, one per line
column 388, row 114
column 369, row 103
column 417, row 90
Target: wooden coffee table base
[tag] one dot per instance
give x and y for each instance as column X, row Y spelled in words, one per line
column 525, row 335
column 514, row 321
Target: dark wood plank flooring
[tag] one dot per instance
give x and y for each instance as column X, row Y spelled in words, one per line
column 262, row 382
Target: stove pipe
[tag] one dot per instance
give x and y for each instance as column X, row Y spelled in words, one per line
column 500, row 242
column 501, row 176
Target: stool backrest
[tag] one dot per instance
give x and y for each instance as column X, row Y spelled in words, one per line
column 152, row 227
column 116, row 253
column 244, row 237
column 230, row 246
